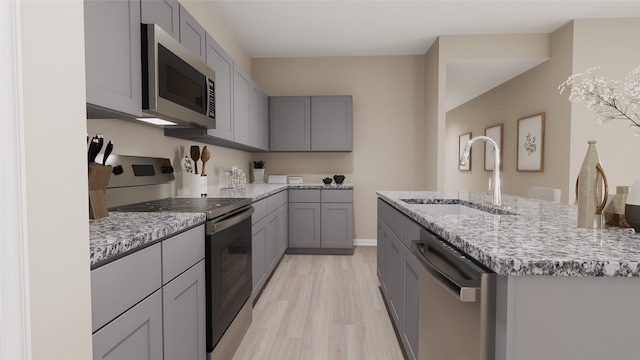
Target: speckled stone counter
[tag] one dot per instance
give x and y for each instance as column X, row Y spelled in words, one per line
column 260, row 191
column 542, row 239
column 123, row 232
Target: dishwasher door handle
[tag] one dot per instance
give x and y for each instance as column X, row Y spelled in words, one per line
column 463, row 290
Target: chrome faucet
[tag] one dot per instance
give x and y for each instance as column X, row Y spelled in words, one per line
column 464, row 158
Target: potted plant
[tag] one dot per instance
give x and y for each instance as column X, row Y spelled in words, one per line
column 258, row 172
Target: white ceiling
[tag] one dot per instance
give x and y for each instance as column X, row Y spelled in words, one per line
column 302, row 28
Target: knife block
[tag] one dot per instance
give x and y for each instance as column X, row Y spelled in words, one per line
column 99, row 176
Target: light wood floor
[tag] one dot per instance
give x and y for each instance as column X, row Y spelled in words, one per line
column 322, row 307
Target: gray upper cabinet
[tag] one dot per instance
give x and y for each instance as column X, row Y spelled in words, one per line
column 165, row 13
column 331, row 123
column 222, row 64
column 316, row 123
column 290, row 123
column 112, row 55
column 192, row 34
column 259, row 118
column 241, row 106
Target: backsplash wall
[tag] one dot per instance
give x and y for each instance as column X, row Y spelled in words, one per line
column 130, row 138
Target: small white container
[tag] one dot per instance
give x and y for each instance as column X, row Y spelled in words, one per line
column 197, row 184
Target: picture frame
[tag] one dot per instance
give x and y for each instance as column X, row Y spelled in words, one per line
column 530, row 152
column 462, row 142
column 494, row 132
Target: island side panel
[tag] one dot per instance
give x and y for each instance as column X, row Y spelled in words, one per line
column 544, row 317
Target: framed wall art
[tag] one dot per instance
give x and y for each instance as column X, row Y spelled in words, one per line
column 494, row 132
column 462, row 142
column 531, row 143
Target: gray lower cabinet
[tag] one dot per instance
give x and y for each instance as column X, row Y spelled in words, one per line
column 321, row 220
column 311, row 123
column 304, row 225
column 136, row 334
column 165, row 13
column 184, row 320
column 258, row 249
column 112, row 57
column 269, row 232
column 152, row 302
column 192, row 34
column 397, row 270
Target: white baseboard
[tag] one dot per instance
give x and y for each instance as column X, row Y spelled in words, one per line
column 365, row 242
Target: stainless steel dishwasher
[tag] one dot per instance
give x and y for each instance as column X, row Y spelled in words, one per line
column 456, row 304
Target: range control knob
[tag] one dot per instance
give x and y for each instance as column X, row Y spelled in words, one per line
column 167, row 169
column 117, row 170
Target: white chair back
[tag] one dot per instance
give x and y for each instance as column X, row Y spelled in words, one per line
column 544, row 193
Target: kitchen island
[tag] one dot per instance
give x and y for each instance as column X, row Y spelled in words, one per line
column 562, row 292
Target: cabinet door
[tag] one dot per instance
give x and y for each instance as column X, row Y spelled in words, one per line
column 337, row 225
column 290, row 123
column 409, row 332
column 222, row 64
column 258, row 266
column 192, row 34
column 304, row 225
column 259, row 118
column 241, row 106
column 382, row 254
column 396, row 289
column 112, row 54
column 136, row 334
column 272, row 246
column 165, row 13
column 283, row 223
column 331, row 123
column 184, row 315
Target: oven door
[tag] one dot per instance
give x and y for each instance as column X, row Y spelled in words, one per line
column 228, row 272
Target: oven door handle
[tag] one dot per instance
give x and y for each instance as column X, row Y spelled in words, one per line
column 232, row 220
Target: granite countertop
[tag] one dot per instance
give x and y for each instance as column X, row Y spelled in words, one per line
column 260, row 191
column 542, row 239
column 123, row 232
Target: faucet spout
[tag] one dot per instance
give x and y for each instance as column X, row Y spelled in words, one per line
column 496, row 198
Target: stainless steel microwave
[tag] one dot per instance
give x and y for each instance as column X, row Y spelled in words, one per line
column 176, row 84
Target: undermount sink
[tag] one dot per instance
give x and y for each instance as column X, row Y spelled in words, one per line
column 455, row 207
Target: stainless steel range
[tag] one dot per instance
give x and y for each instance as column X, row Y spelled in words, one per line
column 227, row 243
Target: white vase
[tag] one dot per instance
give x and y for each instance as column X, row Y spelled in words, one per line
column 258, row 176
column 590, row 193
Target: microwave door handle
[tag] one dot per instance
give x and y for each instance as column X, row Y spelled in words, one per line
column 462, row 292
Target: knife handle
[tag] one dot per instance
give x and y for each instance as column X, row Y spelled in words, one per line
column 107, row 152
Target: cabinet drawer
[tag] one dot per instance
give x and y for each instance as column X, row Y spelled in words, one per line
column 181, row 252
column 304, row 195
column 276, row 200
column 259, row 211
column 337, row 196
column 391, row 217
column 137, row 334
column 117, row 286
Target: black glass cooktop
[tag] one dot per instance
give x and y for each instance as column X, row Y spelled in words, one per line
column 213, row 207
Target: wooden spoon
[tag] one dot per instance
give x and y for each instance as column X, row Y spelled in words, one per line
column 195, row 156
column 206, row 155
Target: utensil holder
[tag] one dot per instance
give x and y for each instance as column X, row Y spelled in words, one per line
column 99, row 176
